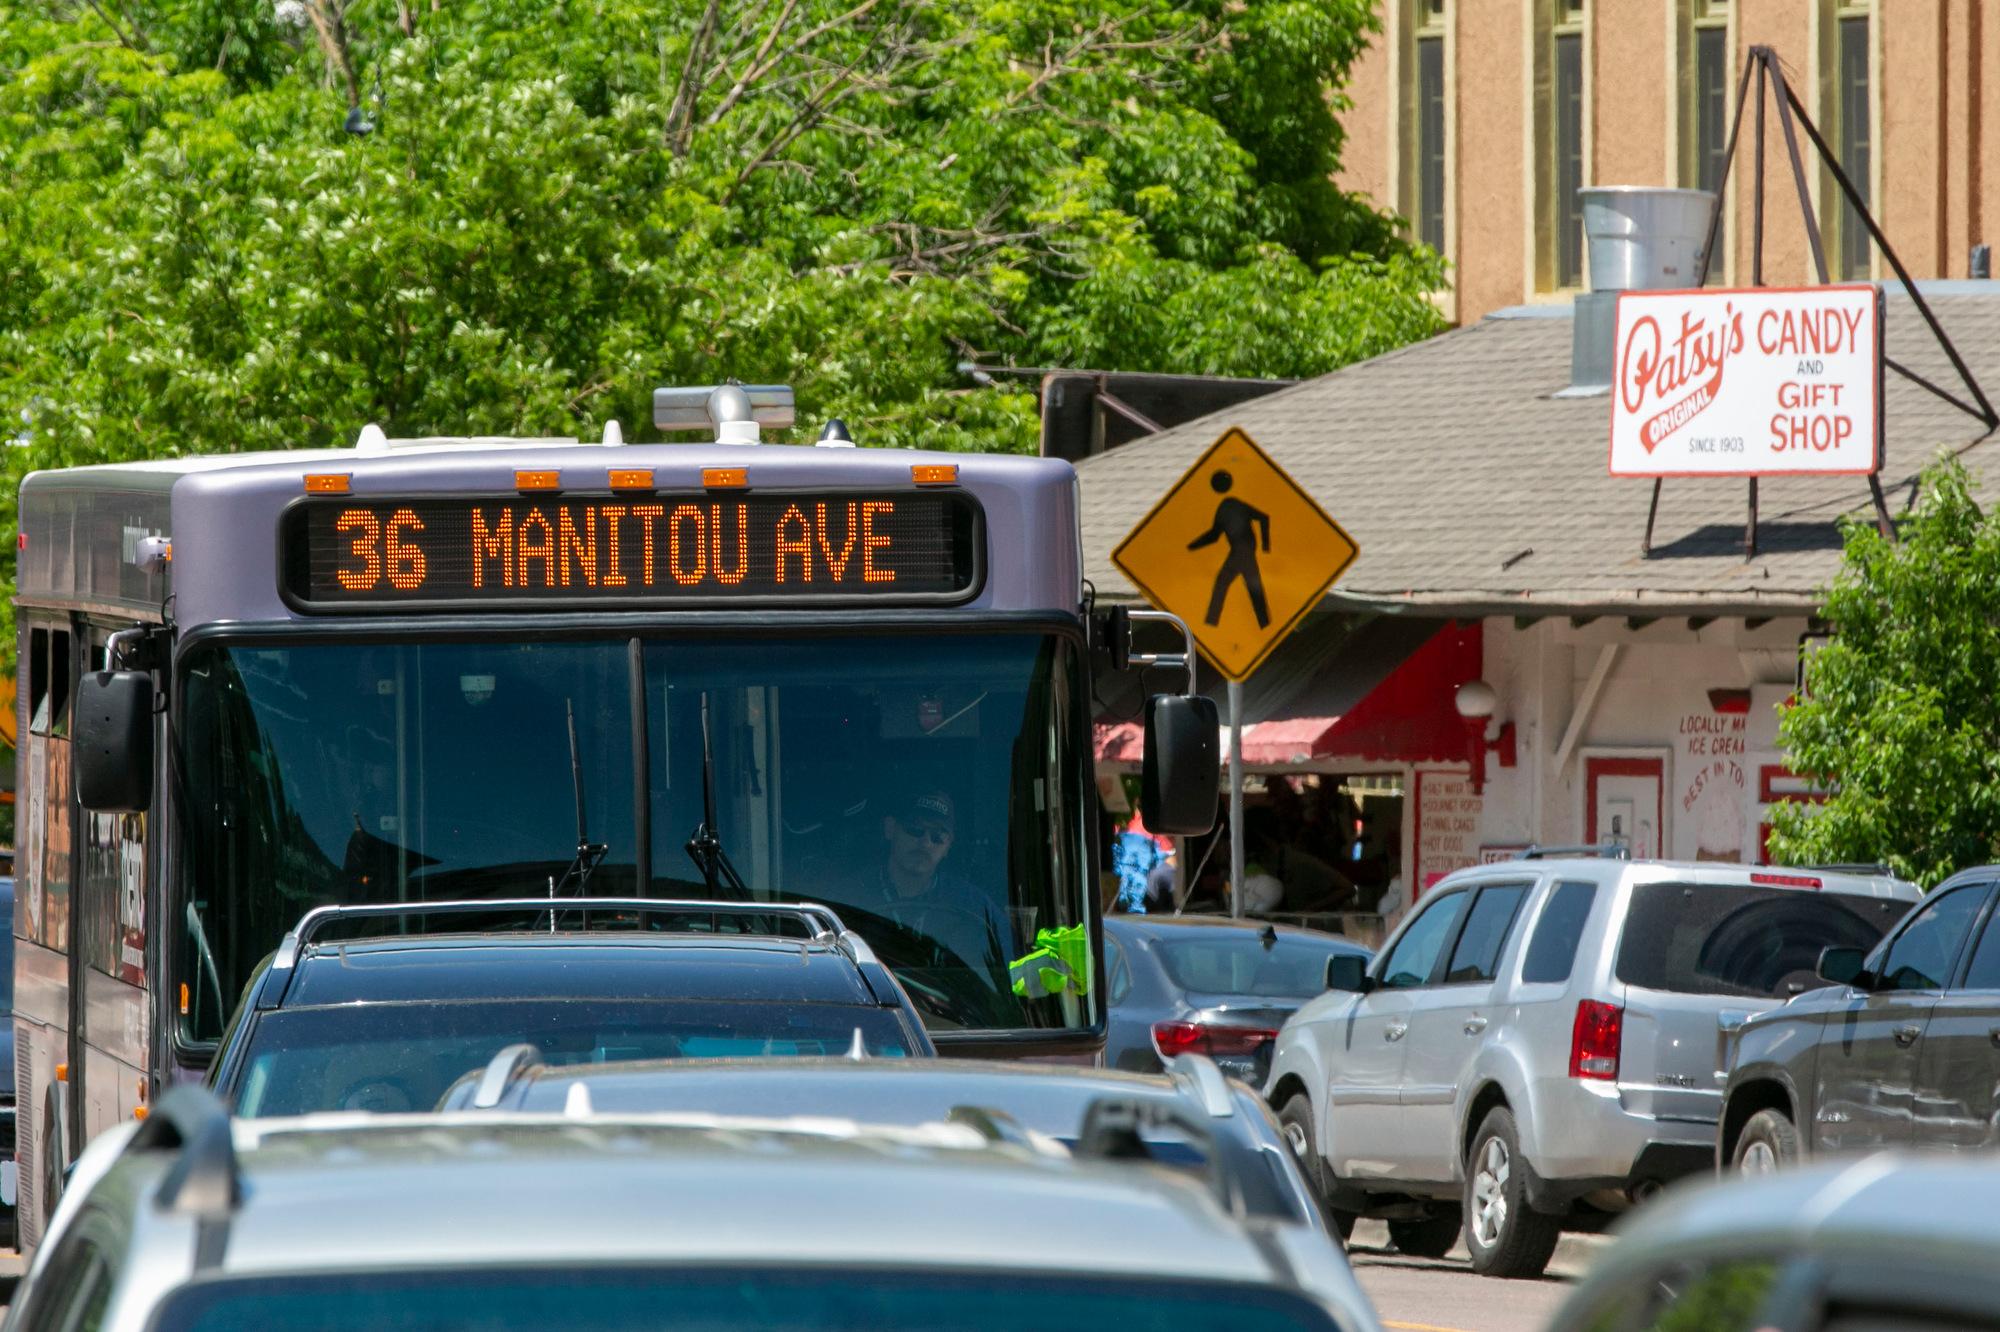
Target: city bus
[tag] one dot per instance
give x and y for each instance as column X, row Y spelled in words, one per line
column 442, row 669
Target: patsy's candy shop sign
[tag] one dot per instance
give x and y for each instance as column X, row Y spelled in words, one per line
column 1763, row 381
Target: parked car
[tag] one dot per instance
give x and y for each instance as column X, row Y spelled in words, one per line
column 1541, row 1042
column 1900, row 1047
column 1208, row 985
column 1887, row 1242
column 1200, row 1118
column 187, row 1223
column 388, row 1022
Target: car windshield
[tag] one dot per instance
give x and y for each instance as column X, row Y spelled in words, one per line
column 1242, row 962
column 929, row 787
column 1740, row 939
column 400, row 1057
column 799, row 1299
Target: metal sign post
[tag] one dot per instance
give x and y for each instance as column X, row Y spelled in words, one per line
column 1236, row 799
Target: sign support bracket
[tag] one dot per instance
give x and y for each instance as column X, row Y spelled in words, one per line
column 1763, row 62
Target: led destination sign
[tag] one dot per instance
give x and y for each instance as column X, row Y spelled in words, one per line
column 905, row 546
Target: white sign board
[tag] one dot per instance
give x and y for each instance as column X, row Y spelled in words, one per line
column 1764, row 381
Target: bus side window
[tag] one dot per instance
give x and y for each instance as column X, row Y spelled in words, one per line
column 48, row 682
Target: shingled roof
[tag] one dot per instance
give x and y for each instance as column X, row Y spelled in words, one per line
column 1473, row 489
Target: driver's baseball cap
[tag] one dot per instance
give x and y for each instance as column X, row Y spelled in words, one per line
column 932, row 809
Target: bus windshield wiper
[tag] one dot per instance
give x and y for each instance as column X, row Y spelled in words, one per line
column 704, row 847
column 588, row 853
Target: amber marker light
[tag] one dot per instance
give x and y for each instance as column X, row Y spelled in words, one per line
column 62, row 1072
column 724, row 478
column 538, row 480
column 138, row 1112
column 327, row 483
column 934, row 474
column 632, row 478
column 184, row 998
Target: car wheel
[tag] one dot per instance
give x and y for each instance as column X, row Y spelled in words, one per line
column 1769, row 1142
column 1505, row 1236
column 1295, row 1119
column 1432, row 1237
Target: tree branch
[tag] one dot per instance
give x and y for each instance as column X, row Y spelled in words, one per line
column 679, row 129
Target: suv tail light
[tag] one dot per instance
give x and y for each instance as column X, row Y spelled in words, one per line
column 1179, row 1038
column 1593, row 1042
column 1787, row 880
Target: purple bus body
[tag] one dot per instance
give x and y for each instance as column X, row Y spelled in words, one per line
column 225, row 519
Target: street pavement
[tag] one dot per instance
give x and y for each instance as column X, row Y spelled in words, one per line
column 1443, row 1295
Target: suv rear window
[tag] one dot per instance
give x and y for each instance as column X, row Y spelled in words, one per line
column 1741, row 939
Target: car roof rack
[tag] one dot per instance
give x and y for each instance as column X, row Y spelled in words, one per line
column 1115, row 1128
column 205, row 1181
column 821, row 920
column 823, row 925
column 1606, row 850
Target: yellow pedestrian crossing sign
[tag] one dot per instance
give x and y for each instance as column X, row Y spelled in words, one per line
column 1237, row 549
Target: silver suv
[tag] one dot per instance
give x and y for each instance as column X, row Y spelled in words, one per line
column 188, row 1223
column 1541, row 1042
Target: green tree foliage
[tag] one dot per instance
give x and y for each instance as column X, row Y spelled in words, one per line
column 563, row 203
column 1902, row 709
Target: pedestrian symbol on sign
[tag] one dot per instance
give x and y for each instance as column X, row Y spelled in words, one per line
column 1234, row 518
column 1233, row 521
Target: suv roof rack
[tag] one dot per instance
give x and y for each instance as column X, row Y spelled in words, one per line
column 1606, row 850
column 1115, row 1128
column 823, row 925
column 204, row 1181
column 821, row 920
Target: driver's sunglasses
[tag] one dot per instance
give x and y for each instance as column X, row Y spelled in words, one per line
column 936, row 836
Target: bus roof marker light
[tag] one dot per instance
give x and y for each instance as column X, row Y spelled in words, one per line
column 152, row 553
column 725, row 478
column 329, row 483
column 934, row 474
column 632, row 478
column 538, row 480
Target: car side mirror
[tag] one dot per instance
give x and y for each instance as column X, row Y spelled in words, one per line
column 112, row 738
column 1348, row 972
column 1181, row 772
column 1841, row 966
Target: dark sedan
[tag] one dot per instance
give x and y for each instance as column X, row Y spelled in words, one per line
column 1209, row 985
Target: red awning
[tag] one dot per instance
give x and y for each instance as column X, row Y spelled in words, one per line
column 1407, row 718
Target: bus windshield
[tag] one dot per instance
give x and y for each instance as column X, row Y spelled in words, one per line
column 917, row 783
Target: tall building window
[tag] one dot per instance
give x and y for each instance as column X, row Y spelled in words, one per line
column 1426, row 99
column 1848, row 115
column 1561, row 127
column 1706, row 77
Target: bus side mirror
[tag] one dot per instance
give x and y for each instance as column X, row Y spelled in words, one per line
column 112, row 736
column 1182, row 771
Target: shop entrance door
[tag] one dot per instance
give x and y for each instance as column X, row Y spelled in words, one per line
column 1624, row 802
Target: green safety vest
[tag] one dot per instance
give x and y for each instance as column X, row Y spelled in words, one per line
column 1060, row 964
